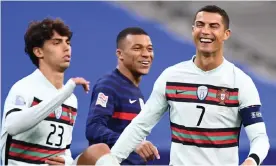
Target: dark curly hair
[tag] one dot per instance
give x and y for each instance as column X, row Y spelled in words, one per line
column 40, row 31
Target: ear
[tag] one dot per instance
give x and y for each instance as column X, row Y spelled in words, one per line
column 193, row 28
column 119, row 54
column 38, row 52
column 227, row 34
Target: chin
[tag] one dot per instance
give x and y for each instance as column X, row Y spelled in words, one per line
column 206, row 52
column 64, row 67
column 142, row 72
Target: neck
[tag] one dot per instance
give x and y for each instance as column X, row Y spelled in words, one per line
column 55, row 77
column 208, row 62
column 135, row 79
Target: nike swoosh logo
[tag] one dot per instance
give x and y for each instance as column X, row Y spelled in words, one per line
column 132, row 101
column 180, row 91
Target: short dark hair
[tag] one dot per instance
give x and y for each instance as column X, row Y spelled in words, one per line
column 40, row 31
column 215, row 9
column 129, row 31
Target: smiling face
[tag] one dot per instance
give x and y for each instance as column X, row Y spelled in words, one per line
column 136, row 53
column 209, row 32
column 55, row 52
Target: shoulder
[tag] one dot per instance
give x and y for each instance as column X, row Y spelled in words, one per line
column 105, row 86
column 23, row 85
column 176, row 68
column 20, row 94
column 242, row 78
column 106, row 78
column 180, row 65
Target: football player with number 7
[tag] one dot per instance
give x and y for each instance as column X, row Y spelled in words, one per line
column 209, row 98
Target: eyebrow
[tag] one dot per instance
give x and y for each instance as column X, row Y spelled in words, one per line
column 59, row 39
column 212, row 23
column 200, row 22
column 150, row 45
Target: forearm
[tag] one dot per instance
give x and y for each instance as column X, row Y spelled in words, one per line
column 99, row 133
column 259, row 142
column 33, row 115
column 131, row 137
column 137, row 130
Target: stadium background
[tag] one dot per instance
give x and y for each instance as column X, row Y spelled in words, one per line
column 95, row 26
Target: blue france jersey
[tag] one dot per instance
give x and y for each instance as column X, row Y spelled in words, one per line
column 115, row 102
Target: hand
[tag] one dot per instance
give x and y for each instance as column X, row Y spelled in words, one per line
column 83, row 82
column 249, row 162
column 55, row 161
column 147, row 151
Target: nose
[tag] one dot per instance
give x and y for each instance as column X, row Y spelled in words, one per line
column 66, row 47
column 205, row 30
column 146, row 53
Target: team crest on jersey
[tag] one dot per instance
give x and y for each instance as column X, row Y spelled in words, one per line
column 202, row 92
column 222, row 96
column 58, row 112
